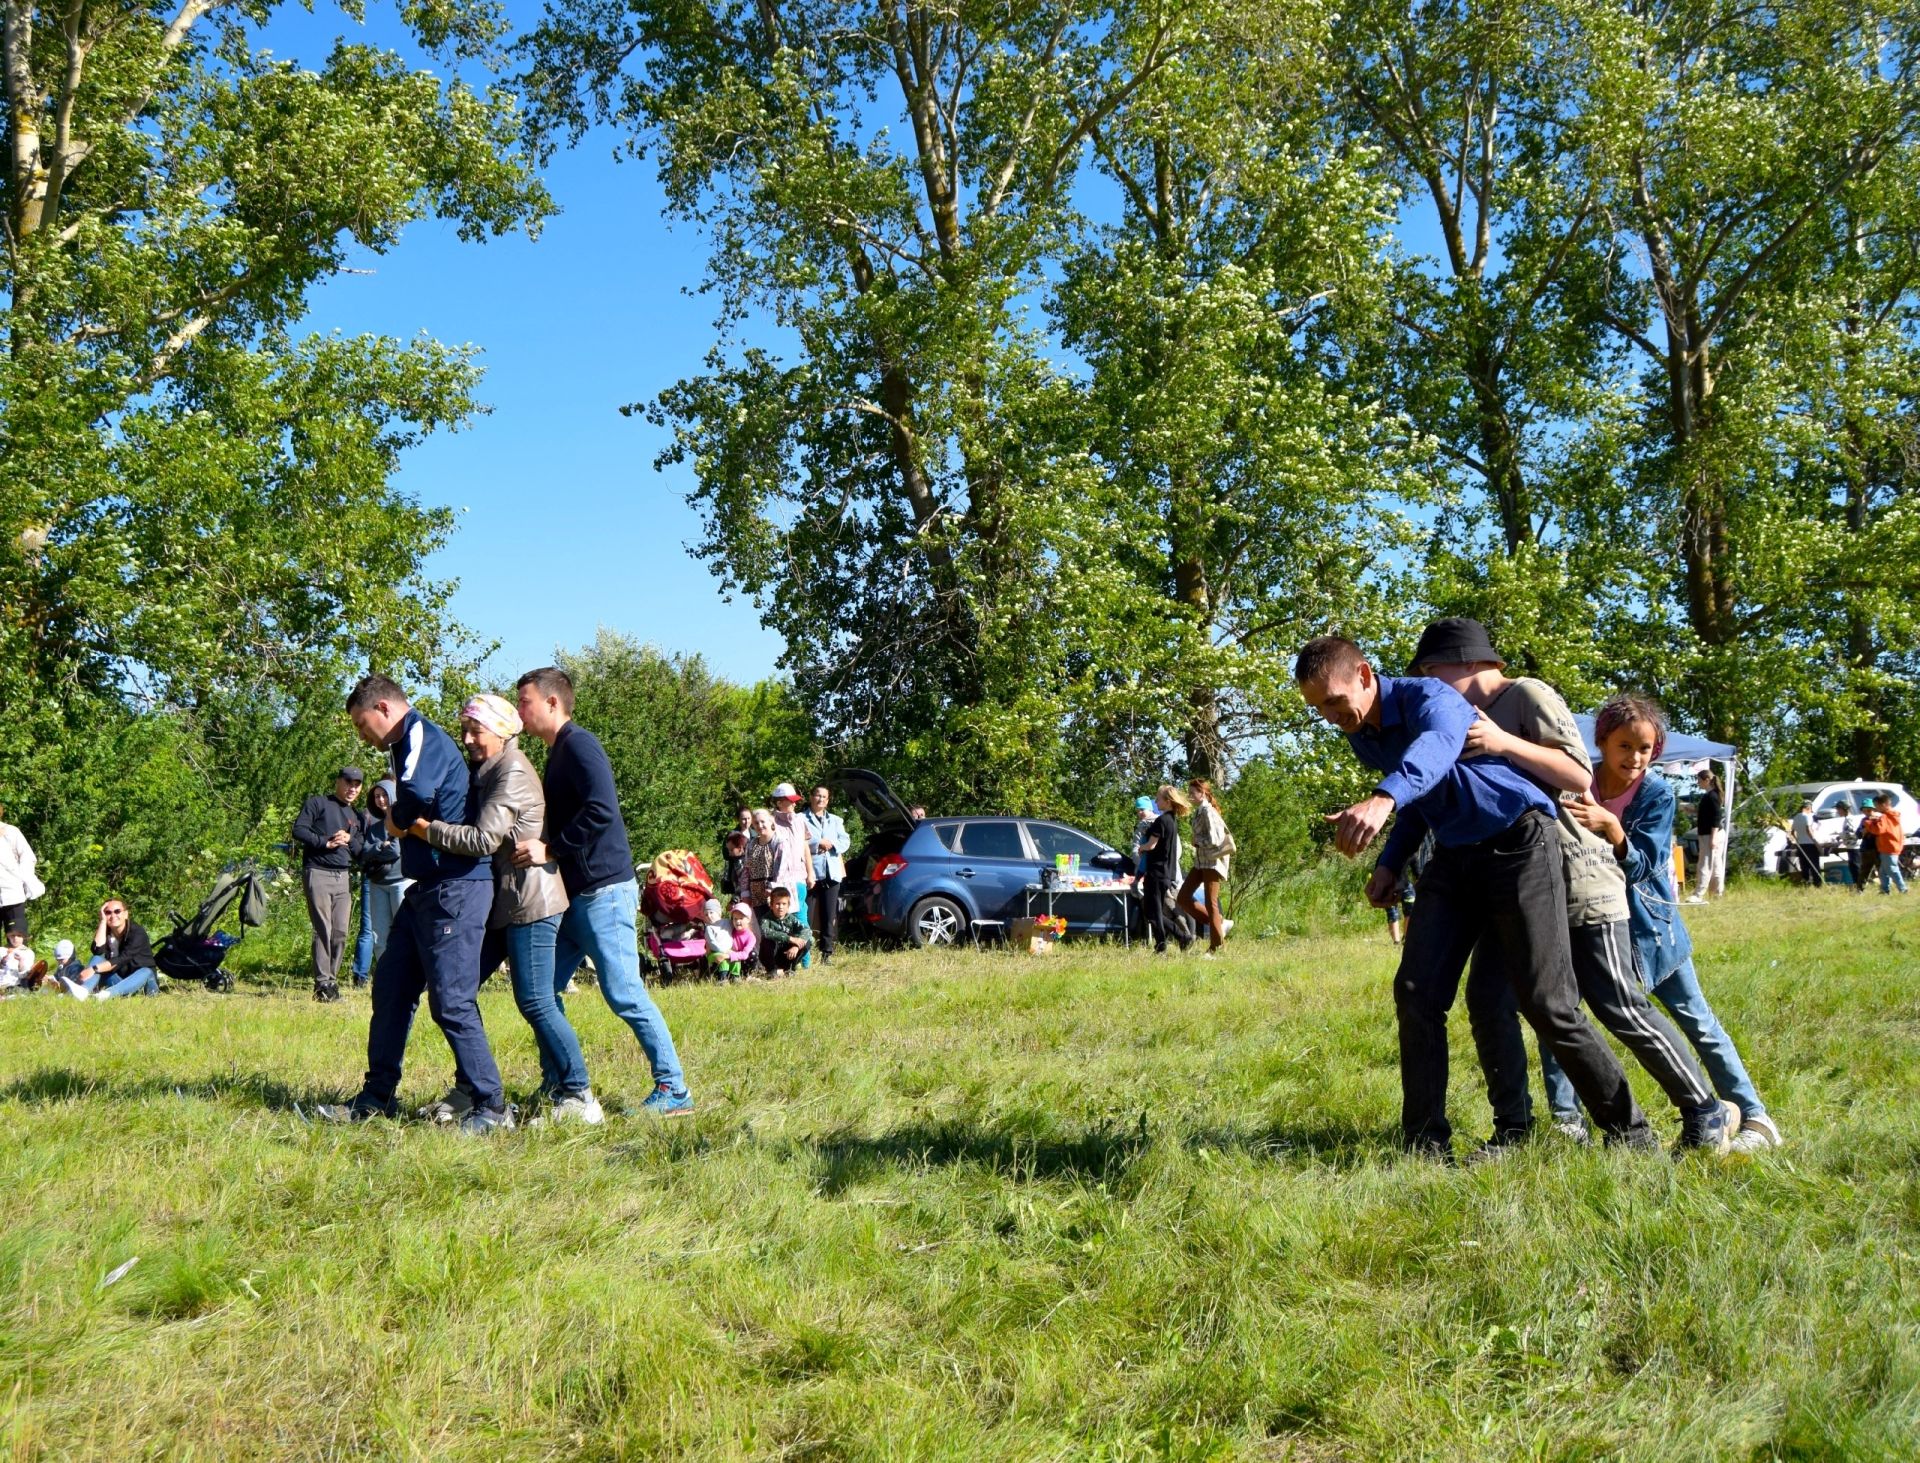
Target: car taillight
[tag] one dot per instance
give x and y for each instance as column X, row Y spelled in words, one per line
column 892, row 864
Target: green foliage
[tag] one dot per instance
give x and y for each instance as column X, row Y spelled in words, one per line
column 199, row 535
column 687, row 747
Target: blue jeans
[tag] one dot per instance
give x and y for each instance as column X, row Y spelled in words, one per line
column 1890, row 874
column 1680, row 993
column 528, row 951
column 603, row 924
column 436, row 949
column 379, row 903
column 142, row 982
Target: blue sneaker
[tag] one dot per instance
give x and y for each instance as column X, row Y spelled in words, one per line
column 1709, row 1129
column 664, row 1102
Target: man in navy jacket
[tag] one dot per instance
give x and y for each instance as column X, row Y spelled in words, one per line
column 587, row 838
column 434, row 945
column 1495, row 875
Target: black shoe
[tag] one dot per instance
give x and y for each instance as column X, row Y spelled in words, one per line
column 361, row 982
column 1432, row 1149
column 1498, row 1146
column 326, row 990
column 360, row 1110
column 1640, row 1138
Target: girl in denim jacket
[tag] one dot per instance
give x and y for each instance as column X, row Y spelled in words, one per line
column 1634, row 813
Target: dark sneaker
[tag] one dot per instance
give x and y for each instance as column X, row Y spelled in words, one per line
column 482, row 1120
column 664, row 1102
column 1431, row 1149
column 326, row 990
column 1640, row 1139
column 1708, row 1129
column 450, row 1109
column 1498, row 1147
column 361, row 982
column 360, row 1110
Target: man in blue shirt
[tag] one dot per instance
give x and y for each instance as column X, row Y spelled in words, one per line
column 434, row 945
column 1495, row 875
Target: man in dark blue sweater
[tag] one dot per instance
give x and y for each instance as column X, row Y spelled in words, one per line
column 434, row 945
column 1495, row 875
column 586, row 836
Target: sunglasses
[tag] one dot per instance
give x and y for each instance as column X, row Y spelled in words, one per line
column 115, row 910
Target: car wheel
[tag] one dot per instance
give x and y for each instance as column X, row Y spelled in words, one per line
column 935, row 921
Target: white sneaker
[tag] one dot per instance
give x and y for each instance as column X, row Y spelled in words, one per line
column 584, row 1108
column 1696, row 899
column 1226, row 926
column 75, row 989
column 1756, row 1135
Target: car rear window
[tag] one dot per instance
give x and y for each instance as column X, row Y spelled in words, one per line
column 992, row 840
column 947, row 833
column 1052, row 839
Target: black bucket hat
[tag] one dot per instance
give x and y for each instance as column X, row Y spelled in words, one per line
column 1455, row 640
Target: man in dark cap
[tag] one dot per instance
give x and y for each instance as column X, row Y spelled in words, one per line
column 329, row 832
column 1495, row 875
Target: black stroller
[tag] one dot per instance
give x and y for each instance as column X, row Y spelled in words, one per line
column 197, row 947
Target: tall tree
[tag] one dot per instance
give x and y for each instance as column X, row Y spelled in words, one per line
column 884, row 182
column 1259, row 500
column 1728, row 140
column 198, row 493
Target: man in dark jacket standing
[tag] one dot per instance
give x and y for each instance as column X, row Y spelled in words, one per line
column 330, row 831
column 434, row 945
column 586, row 837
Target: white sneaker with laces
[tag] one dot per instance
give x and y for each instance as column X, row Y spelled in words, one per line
column 585, row 1108
column 1756, row 1135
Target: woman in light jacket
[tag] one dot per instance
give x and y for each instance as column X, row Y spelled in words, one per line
column 527, row 903
column 19, row 879
column 1212, row 851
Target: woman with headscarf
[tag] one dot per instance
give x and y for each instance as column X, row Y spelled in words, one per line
column 1212, row 850
column 527, row 903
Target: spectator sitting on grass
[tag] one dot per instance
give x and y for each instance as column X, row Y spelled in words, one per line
column 122, row 958
column 18, row 968
column 66, row 962
column 730, row 938
column 784, row 937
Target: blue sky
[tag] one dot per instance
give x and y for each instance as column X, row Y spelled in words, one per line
column 589, row 317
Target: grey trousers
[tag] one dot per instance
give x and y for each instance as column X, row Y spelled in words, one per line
column 330, row 907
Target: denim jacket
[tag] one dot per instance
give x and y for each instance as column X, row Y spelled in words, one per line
column 1661, row 944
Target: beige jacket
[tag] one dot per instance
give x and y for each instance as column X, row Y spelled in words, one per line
column 511, row 807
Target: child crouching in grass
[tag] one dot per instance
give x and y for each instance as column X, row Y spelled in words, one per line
column 1634, row 813
column 730, row 941
column 784, row 936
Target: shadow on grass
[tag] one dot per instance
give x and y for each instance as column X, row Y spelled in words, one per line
column 1328, row 1144
column 1101, row 1156
column 64, row 1084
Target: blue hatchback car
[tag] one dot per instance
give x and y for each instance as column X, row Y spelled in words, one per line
column 928, row 881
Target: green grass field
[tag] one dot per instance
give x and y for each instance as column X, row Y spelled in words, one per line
column 967, row 1206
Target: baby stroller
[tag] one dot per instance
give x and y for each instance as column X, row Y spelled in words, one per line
column 677, row 886
column 196, row 947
